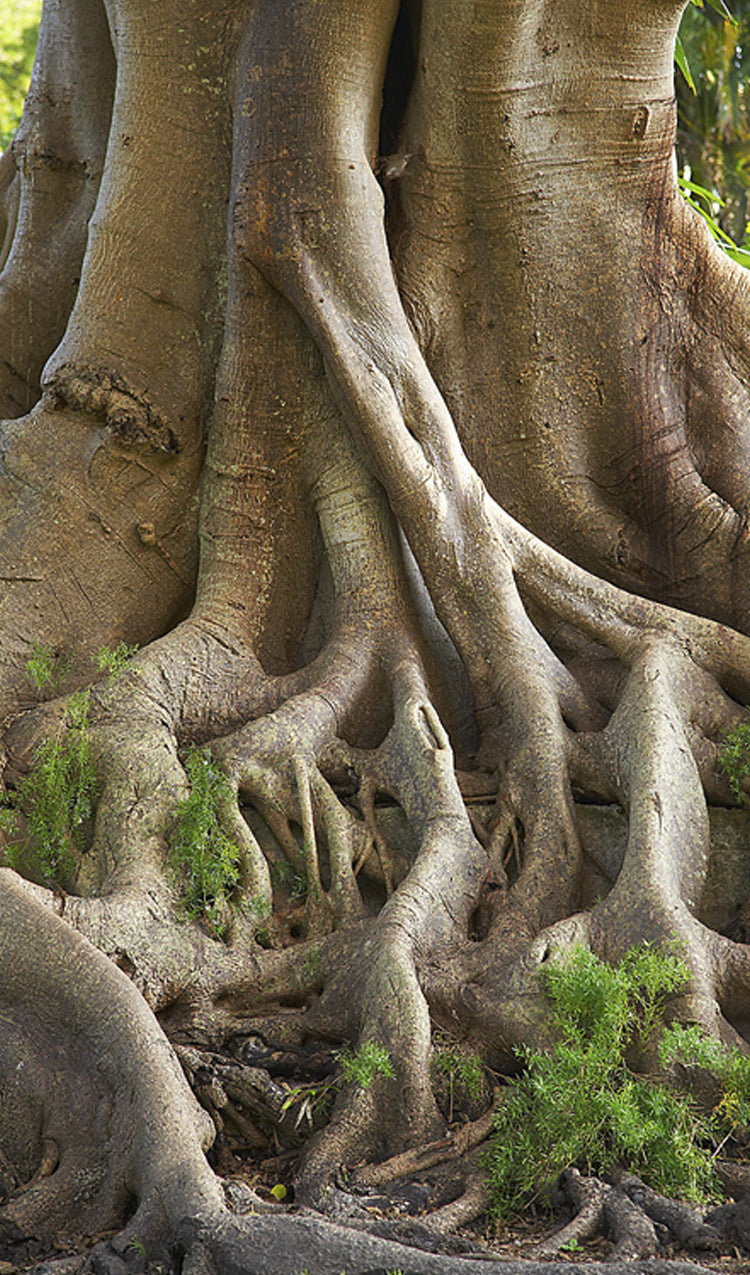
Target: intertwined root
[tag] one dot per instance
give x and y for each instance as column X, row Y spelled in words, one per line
column 648, row 735
column 628, row 1213
column 577, row 686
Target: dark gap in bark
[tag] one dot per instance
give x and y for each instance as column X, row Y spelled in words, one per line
column 514, row 854
column 399, row 77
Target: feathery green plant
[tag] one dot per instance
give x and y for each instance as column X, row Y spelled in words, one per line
column 464, row 1071
column 45, row 670
column 57, row 799
column 734, row 758
column 580, row 1104
column 205, row 862
column 115, row 660
column 361, row 1068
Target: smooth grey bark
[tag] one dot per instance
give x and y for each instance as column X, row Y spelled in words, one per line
column 480, row 403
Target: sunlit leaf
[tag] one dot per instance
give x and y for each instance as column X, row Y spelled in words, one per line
column 709, row 195
column 721, row 8
column 693, row 194
column 740, row 255
column 682, row 62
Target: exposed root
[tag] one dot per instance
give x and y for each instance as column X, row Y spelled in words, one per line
column 683, row 1222
column 452, row 1147
column 587, row 1195
column 134, row 1086
column 636, row 1219
column 467, row 1208
column 576, row 684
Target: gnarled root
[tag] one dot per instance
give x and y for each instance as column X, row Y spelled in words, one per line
column 636, row 1219
column 130, row 1090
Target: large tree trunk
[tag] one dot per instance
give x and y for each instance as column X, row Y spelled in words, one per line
column 469, row 419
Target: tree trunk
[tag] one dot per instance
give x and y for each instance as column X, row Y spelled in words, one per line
column 421, row 477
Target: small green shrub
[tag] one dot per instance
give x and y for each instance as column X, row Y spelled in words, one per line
column 465, row 1072
column 362, row 1067
column 45, row 670
column 579, row 1104
column 735, row 758
column 57, row 799
column 205, row 862
column 114, row 661
column 729, row 1068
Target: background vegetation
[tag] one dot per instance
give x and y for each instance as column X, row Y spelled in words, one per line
column 713, row 142
column 19, row 25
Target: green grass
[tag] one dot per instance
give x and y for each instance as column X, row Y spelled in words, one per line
column 580, row 1104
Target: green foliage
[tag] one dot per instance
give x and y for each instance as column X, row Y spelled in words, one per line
column 44, row 669
column 717, row 5
column 57, row 799
column 579, row 1104
column 310, row 1103
column 362, row 1067
column 19, row 28
column 713, row 136
column 705, row 202
column 203, row 859
column 114, row 661
column 729, row 1068
column 465, row 1072
column 734, row 758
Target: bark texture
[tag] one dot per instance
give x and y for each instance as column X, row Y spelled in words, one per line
column 364, row 367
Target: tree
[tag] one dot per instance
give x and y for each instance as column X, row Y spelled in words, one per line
column 456, row 413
